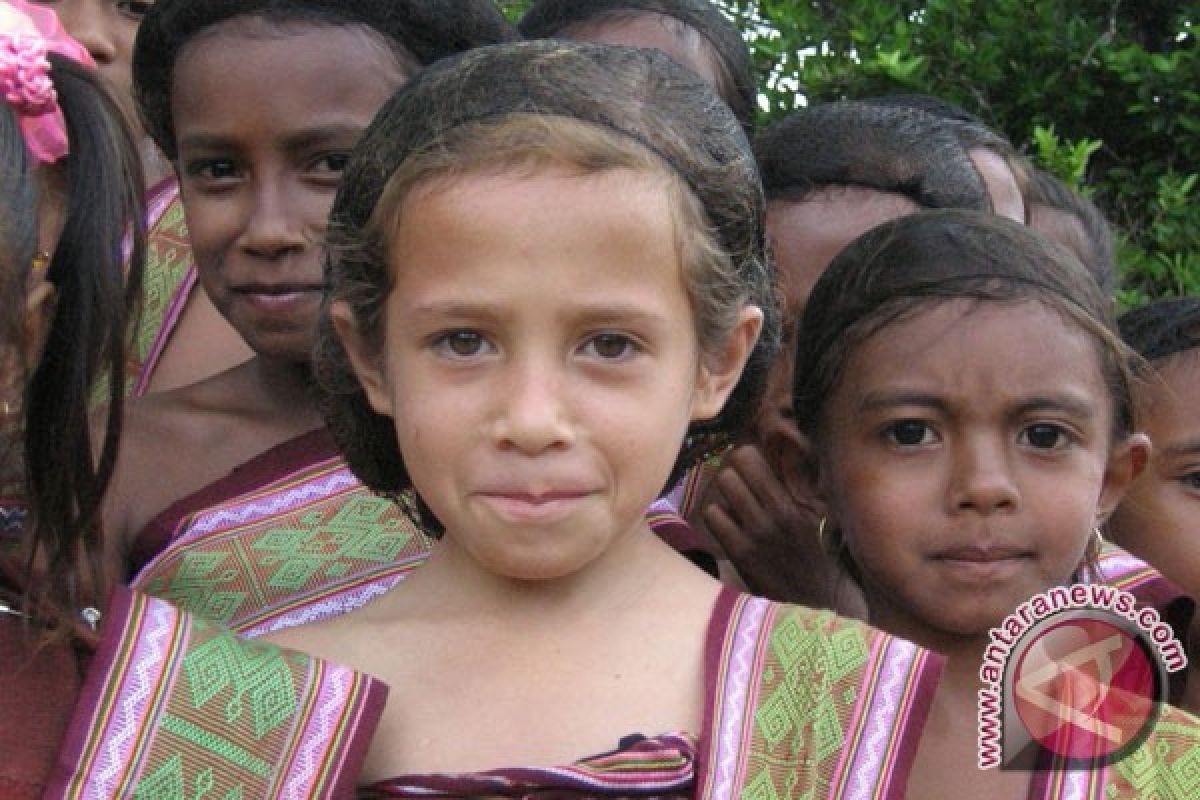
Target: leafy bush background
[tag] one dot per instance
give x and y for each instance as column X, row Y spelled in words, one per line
column 1104, row 93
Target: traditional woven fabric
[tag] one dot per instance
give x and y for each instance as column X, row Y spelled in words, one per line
column 288, row 538
column 663, row 766
column 167, row 282
column 1166, row 766
column 805, row 704
column 175, row 707
column 291, row 537
column 800, row 704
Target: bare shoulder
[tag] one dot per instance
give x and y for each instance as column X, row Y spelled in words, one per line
column 165, row 454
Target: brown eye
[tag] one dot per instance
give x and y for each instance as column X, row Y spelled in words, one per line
column 909, row 432
column 611, row 346
column 1044, row 436
column 461, row 344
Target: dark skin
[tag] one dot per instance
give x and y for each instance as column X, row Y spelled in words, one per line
column 762, row 510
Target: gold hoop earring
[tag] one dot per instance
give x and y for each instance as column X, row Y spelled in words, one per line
column 41, row 262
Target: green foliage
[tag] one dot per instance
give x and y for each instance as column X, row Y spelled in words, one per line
column 1103, row 93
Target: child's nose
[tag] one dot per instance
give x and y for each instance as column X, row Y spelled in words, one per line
column 90, row 22
column 274, row 226
column 983, row 480
column 533, row 414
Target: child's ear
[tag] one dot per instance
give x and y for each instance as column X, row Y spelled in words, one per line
column 791, row 457
column 1125, row 463
column 719, row 372
column 366, row 363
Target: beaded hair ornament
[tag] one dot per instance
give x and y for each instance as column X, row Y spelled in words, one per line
column 28, row 33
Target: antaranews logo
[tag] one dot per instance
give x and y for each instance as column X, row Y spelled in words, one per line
column 1074, row 677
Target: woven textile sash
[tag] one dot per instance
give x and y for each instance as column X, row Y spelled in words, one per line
column 175, row 707
column 309, row 544
column 809, row 705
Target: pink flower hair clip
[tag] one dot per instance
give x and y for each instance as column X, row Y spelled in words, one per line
column 28, row 33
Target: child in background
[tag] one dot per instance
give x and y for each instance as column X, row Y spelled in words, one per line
column 179, row 337
column 694, row 33
column 970, row 412
column 1063, row 215
column 1159, row 519
column 69, row 195
column 230, row 498
column 831, row 172
column 544, row 295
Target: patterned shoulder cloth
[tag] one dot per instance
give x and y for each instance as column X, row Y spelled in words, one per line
column 285, row 539
column 168, row 280
column 175, row 707
column 805, row 704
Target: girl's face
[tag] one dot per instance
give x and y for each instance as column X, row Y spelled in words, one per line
column 540, row 362
column 967, row 457
column 263, row 136
column 1159, row 520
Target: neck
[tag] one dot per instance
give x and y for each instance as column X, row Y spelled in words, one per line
column 286, row 385
column 624, row 577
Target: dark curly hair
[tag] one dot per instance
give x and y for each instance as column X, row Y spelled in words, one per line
column 418, row 31
column 738, row 84
column 892, row 271
column 594, row 108
column 1162, row 328
column 887, row 149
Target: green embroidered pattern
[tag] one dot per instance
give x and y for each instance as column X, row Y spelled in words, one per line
column 1166, row 766
column 810, row 677
column 235, row 574
column 256, row 675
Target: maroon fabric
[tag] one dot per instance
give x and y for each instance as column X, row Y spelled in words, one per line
column 307, row 448
column 38, row 686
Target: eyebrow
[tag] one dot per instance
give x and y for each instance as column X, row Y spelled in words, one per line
column 595, row 314
column 297, row 140
column 1184, row 448
column 1071, row 404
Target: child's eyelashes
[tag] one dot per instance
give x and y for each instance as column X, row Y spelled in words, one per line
column 212, row 171
column 330, row 164
column 609, row 346
column 910, row 433
column 461, row 344
column 1045, row 436
column 1191, row 481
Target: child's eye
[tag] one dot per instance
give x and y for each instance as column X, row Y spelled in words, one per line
column 331, row 163
column 1191, row 481
column 1044, row 436
column 461, row 344
column 212, row 169
column 909, row 433
column 134, row 8
column 610, row 346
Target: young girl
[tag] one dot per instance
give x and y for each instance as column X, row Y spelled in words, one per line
column 230, row 498
column 69, row 191
column 1157, row 520
column 541, row 293
column 970, row 413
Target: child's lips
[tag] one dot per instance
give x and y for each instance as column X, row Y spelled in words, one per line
column 540, row 506
column 989, row 561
